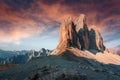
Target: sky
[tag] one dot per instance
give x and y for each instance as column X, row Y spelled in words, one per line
column 34, row 24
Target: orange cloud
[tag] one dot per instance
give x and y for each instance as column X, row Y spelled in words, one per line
column 17, row 34
column 42, row 16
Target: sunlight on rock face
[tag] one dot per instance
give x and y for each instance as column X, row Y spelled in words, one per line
column 75, row 33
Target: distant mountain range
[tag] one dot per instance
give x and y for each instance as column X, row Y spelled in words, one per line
column 18, row 57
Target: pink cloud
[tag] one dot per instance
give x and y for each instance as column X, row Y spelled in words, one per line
column 41, row 17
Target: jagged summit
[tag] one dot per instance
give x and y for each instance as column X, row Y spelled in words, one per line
column 78, row 40
column 80, row 21
column 75, row 33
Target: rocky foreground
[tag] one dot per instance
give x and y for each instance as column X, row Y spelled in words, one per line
column 66, row 66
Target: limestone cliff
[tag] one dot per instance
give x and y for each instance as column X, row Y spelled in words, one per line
column 75, row 33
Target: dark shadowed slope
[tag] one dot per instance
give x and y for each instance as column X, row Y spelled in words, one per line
column 62, row 67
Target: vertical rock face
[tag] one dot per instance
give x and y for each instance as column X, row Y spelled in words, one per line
column 85, row 36
column 96, row 40
column 75, row 33
column 68, row 35
column 79, row 22
column 82, row 31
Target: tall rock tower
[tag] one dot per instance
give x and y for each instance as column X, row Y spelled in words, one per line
column 75, row 33
column 68, row 35
column 96, row 40
column 82, row 31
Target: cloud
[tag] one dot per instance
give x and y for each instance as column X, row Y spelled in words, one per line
column 18, row 4
column 17, row 34
column 26, row 18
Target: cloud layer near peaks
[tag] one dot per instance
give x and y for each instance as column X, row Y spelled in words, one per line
column 27, row 18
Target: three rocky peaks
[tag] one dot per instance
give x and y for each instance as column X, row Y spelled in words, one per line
column 75, row 33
